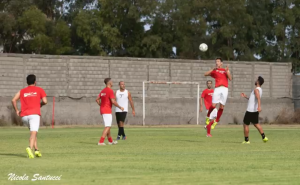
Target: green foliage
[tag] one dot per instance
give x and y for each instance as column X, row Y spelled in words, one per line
column 233, row 29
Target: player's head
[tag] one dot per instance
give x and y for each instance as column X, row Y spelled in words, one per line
column 122, row 85
column 259, row 81
column 219, row 62
column 31, row 79
column 209, row 84
column 108, row 82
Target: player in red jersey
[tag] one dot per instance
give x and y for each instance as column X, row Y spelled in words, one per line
column 31, row 104
column 206, row 96
column 105, row 100
column 221, row 77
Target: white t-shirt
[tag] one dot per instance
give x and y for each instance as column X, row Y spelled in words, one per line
column 252, row 102
column 122, row 100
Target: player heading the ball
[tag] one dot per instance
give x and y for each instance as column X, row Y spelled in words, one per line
column 221, row 77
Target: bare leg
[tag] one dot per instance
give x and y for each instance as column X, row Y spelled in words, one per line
column 246, row 130
column 108, row 132
column 32, row 139
column 259, row 128
column 35, row 143
column 105, row 131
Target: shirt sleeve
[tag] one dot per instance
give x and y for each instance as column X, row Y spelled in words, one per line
column 43, row 93
column 112, row 95
column 203, row 94
column 213, row 73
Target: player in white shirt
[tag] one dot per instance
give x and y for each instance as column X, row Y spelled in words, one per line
column 253, row 109
column 123, row 96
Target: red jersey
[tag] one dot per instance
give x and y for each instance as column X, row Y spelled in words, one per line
column 220, row 76
column 207, row 96
column 106, row 94
column 30, row 98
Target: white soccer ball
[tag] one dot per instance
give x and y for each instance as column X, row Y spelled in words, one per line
column 203, row 47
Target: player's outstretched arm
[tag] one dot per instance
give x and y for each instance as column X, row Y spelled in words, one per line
column 14, row 103
column 131, row 103
column 244, row 96
column 208, row 73
column 257, row 95
column 98, row 100
column 113, row 101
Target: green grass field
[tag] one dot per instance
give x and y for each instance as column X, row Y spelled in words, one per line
column 155, row 155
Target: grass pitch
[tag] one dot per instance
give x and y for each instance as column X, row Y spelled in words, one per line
column 155, row 156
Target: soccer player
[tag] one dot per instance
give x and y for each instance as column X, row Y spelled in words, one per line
column 221, row 77
column 253, row 109
column 105, row 100
column 122, row 97
column 206, row 96
column 31, row 104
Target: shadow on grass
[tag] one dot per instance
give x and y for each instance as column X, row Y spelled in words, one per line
column 14, row 155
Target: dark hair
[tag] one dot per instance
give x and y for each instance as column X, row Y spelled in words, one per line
column 120, row 82
column 261, row 80
column 31, row 79
column 208, row 81
column 219, row 58
column 106, row 80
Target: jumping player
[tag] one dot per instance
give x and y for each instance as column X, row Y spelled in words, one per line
column 206, row 96
column 122, row 97
column 221, row 77
column 253, row 109
column 105, row 100
column 31, row 104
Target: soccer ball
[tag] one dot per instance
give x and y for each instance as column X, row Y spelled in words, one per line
column 203, row 47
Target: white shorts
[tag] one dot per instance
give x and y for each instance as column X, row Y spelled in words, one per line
column 213, row 114
column 32, row 121
column 220, row 95
column 107, row 120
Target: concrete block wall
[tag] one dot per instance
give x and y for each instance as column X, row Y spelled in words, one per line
column 77, row 80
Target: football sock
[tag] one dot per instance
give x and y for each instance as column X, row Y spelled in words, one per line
column 211, row 108
column 102, row 140
column 208, row 127
column 263, row 135
column 246, row 139
column 220, row 112
column 110, row 140
column 119, row 132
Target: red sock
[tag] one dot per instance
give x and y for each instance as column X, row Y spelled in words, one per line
column 208, row 127
column 110, row 140
column 220, row 112
column 102, row 140
column 211, row 108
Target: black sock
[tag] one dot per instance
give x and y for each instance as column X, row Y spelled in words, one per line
column 36, row 149
column 246, row 139
column 263, row 135
column 121, row 131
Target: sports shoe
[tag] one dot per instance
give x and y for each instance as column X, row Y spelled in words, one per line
column 29, row 152
column 207, row 120
column 208, row 135
column 246, row 142
column 37, row 153
column 214, row 124
column 118, row 138
column 113, row 143
column 101, row 144
column 265, row 140
column 124, row 138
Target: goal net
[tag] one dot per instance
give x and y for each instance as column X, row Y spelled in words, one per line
column 170, row 83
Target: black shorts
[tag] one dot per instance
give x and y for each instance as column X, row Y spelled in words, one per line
column 121, row 116
column 251, row 117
